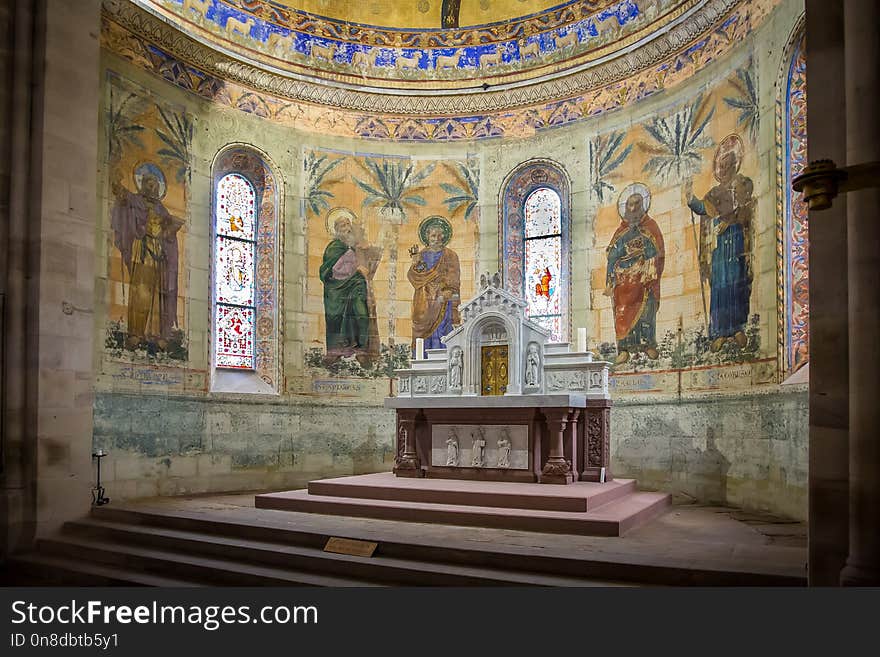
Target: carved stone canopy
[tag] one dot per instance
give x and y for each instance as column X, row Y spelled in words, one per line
column 497, row 317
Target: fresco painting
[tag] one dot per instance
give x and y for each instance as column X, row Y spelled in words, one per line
column 365, row 214
column 676, row 287
column 636, row 257
column 148, row 155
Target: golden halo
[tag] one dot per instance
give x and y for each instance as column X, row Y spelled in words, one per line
column 435, row 221
column 730, row 144
column 334, row 214
column 144, row 168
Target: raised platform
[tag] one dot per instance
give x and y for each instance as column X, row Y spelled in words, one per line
column 585, row 508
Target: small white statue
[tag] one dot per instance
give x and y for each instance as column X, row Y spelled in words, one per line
column 484, row 281
column 504, row 449
column 533, row 365
column 496, row 280
column 455, row 366
column 478, row 450
column 452, row 448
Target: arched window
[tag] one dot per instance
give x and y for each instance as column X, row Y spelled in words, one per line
column 792, row 224
column 234, row 260
column 535, row 238
column 245, row 271
column 543, row 252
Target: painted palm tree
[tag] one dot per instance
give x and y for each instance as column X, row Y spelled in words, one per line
column 317, row 168
column 122, row 131
column 745, row 101
column 394, row 185
column 177, row 136
column 606, row 156
column 462, row 197
column 679, row 140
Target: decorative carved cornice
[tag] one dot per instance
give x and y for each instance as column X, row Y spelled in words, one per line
column 702, row 22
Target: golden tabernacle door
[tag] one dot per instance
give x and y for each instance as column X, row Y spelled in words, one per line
column 493, row 368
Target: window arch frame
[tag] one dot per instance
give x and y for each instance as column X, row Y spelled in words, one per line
column 518, row 186
column 792, row 228
column 259, row 171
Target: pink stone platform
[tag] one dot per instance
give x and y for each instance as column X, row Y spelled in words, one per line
column 585, row 508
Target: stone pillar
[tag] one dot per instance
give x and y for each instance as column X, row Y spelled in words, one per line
column 407, row 463
column 829, row 369
column 862, row 49
column 556, row 470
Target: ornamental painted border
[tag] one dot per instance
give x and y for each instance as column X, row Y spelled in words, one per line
column 792, row 234
column 137, row 38
column 318, row 50
column 715, row 29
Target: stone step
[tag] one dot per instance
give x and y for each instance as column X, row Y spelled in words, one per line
column 292, row 529
column 612, row 519
column 223, row 572
column 576, row 497
column 378, row 568
column 39, row 569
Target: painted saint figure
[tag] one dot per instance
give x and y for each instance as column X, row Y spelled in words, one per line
column 436, row 277
column 347, row 270
column 146, row 235
column 636, row 256
column 726, row 224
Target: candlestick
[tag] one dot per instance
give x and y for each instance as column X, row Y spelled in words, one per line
column 420, row 349
column 582, row 340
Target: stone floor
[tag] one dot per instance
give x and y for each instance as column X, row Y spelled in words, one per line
column 688, row 536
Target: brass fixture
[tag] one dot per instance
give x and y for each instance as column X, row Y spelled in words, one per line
column 822, row 180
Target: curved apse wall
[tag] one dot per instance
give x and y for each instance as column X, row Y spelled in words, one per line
column 698, row 406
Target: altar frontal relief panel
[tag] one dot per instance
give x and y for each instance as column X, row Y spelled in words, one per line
column 480, row 446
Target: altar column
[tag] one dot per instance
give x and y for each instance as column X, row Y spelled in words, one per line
column 407, row 463
column 556, row 470
column 862, row 55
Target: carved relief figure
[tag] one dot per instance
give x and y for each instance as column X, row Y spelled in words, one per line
column 146, row 235
column 455, row 367
column 726, row 225
column 435, row 274
column 636, row 256
column 504, row 445
column 533, row 365
column 347, row 269
column 452, row 447
column 478, row 450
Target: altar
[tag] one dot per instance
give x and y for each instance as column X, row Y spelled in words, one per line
column 500, row 403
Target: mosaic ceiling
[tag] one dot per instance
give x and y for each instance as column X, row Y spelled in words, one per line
column 424, row 46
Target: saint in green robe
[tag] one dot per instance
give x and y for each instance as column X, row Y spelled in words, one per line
column 345, row 302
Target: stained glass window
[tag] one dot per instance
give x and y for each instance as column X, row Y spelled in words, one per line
column 234, row 270
column 543, row 259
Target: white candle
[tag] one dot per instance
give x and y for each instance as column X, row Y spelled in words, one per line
column 420, row 348
column 582, row 340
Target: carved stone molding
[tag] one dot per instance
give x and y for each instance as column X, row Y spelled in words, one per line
column 652, row 51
